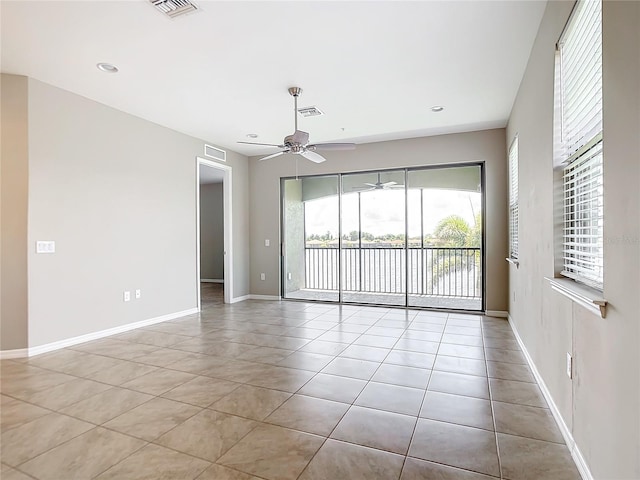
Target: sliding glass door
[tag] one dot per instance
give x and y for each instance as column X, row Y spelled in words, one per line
column 373, row 238
column 444, row 208
column 310, row 237
column 409, row 237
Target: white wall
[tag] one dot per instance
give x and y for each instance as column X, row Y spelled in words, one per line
column 211, row 231
column 118, row 196
column 601, row 405
column 483, row 146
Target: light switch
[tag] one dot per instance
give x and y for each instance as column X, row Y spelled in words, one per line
column 267, row 242
column 45, row 246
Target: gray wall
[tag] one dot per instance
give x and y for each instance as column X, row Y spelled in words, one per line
column 118, row 195
column 601, row 404
column 14, row 197
column 488, row 146
column 211, row 231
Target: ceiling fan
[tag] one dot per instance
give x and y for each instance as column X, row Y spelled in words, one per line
column 298, row 142
column 379, row 185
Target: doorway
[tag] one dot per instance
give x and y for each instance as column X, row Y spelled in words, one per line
column 213, row 233
column 405, row 237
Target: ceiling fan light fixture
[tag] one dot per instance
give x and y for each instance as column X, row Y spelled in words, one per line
column 437, row 108
column 298, row 142
column 107, row 67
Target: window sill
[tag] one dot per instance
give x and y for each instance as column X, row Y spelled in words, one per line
column 513, row 261
column 587, row 297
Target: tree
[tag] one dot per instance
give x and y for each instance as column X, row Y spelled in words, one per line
column 452, row 231
column 474, row 237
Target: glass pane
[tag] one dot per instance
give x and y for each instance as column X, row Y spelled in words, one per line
column 444, row 207
column 310, row 233
column 373, row 238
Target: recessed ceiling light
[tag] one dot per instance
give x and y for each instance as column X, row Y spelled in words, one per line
column 107, row 67
column 252, row 135
column 437, row 108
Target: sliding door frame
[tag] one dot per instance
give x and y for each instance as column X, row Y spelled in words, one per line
column 406, row 171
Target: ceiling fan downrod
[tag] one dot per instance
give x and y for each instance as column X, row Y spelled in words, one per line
column 295, row 92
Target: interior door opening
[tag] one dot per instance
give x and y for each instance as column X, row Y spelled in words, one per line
column 406, row 237
column 213, row 233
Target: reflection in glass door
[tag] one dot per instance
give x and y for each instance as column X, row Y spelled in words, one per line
column 410, row 237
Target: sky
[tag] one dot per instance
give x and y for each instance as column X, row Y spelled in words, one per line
column 383, row 211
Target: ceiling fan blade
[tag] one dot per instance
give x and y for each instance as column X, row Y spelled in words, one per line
column 373, row 185
column 388, row 184
column 332, row 146
column 360, row 189
column 314, row 157
column 263, row 144
column 273, row 155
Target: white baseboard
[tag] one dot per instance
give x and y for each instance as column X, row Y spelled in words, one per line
column 212, row 280
column 49, row 347
column 17, row 353
column 578, row 459
column 255, row 297
column 264, row 297
column 497, row 313
column 240, row 299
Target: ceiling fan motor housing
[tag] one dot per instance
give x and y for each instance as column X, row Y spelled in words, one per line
column 299, row 138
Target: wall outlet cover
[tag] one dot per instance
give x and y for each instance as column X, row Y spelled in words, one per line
column 45, row 246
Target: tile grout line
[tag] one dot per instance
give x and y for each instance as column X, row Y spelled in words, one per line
column 493, row 414
column 424, row 397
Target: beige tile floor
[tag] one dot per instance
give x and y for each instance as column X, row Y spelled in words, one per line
column 284, row 390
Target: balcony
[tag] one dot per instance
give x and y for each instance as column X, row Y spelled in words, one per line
column 437, row 277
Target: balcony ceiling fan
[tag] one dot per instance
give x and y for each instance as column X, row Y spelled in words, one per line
column 298, row 142
column 379, row 185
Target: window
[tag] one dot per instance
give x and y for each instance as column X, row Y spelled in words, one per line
column 513, row 199
column 579, row 146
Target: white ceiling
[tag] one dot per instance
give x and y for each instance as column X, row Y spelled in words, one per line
column 373, row 67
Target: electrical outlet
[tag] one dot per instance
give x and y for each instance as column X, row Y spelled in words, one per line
column 127, row 296
column 569, row 365
column 45, row 246
column 263, row 276
column 289, row 276
column 267, row 242
column 138, row 293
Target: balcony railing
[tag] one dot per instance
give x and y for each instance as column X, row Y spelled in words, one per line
column 447, row 271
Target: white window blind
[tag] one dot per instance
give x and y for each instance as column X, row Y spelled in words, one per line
column 513, row 199
column 580, row 145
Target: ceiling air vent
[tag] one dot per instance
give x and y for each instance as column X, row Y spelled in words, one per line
column 174, row 8
column 213, row 152
column 310, row 112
